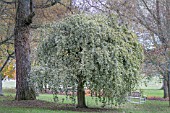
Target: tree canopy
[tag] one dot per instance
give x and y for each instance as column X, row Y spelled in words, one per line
column 92, row 51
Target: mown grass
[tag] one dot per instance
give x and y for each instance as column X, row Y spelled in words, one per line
column 153, row 92
column 148, row 107
column 29, row 110
column 90, row 101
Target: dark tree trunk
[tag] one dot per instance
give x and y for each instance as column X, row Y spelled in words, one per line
column 1, row 93
column 169, row 82
column 169, row 89
column 81, row 95
column 165, row 88
column 22, row 51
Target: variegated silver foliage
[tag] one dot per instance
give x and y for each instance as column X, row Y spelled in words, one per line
column 105, row 56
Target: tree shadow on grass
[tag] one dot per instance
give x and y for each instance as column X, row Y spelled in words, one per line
column 50, row 106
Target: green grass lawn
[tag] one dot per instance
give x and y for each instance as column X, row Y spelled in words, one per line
column 148, row 107
column 28, row 110
column 153, row 92
column 90, row 101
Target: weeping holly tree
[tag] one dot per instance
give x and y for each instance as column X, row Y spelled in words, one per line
column 87, row 51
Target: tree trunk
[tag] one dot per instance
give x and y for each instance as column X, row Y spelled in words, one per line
column 22, row 51
column 169, row 81
column 165, row 88
column 81, row 95
column 1, row 93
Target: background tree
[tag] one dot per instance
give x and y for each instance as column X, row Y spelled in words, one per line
column 6, row 40
column 24, row 17
column 86, row 51
column 150, row 19
column 156, row 21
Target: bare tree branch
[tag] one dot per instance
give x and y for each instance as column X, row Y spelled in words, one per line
column 6, row 40
column 146, row 25
column 6, row 61
column 149, row 10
